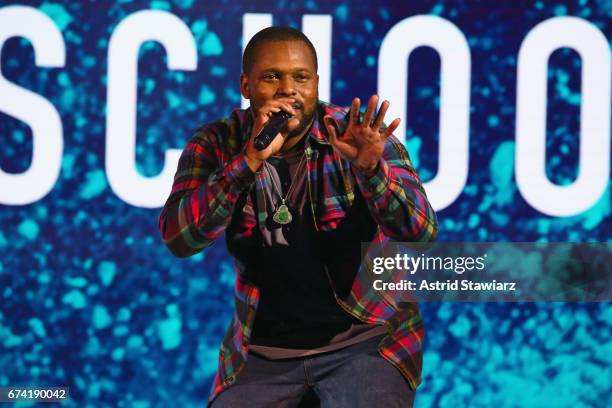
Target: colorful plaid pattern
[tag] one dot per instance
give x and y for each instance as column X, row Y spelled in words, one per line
column 210, row 196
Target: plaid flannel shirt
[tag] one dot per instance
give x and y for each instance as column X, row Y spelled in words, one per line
column 211, row 187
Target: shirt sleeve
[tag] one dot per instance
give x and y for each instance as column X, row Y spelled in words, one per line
column 396, row 197
column 206, row 187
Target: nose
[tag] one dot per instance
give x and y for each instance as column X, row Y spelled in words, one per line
column 286, row 86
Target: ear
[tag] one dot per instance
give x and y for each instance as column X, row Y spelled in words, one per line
column 244, row 86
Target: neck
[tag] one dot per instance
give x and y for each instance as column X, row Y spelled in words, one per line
column 293, row 140
column 291, row 143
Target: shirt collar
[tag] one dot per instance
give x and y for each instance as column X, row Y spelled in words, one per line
column 318, row 133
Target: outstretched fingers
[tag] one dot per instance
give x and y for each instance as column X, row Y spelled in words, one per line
column 370, row 109
column 381, row 115
column 354, row 113
column 388, row 131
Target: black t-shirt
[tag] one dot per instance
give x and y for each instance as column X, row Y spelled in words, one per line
column 297, row 307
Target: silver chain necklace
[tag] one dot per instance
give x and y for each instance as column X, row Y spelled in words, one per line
column 282, row 215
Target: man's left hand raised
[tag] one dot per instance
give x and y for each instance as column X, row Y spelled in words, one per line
column 362, row 143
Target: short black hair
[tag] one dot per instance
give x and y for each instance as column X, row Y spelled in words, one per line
column 274, row 34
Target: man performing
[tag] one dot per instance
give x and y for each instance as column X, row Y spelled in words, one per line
column 295, row 214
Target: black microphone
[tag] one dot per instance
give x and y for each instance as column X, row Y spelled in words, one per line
column 271, row 129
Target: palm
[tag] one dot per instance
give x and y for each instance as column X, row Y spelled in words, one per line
column 360, row 145
column 363, row 142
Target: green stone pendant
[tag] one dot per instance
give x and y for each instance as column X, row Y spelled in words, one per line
column 282, row 215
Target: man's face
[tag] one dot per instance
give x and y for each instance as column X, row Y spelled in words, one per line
column 282, row 69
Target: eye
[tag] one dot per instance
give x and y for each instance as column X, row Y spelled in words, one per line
column 302, row 77
column 270, row 76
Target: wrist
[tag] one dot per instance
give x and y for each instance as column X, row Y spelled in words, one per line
column 370, row 170
column 253, row 163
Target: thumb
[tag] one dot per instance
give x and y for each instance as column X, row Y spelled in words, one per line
column 330, row 125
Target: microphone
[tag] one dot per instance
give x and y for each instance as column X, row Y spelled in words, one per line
column 271, row 129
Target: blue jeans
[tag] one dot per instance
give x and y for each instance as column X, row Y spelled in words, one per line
column 355, row 376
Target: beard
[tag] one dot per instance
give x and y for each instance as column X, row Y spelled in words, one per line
column 304, row 124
